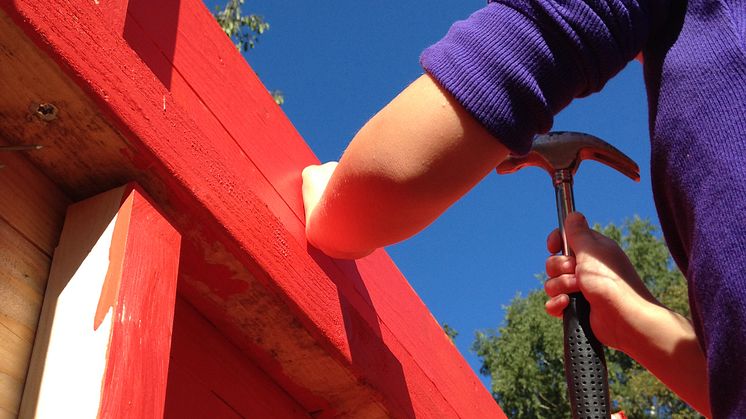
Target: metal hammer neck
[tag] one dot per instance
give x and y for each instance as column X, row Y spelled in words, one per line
column 562, row 180
column 562, row 176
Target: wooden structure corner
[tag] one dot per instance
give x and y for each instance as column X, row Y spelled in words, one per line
column 219, row 307
column 105, row 325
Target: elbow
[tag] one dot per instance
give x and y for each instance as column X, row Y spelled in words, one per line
column 359, row 215
column 333, row 241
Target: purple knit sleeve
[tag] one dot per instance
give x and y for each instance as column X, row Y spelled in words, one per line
column 516, row 63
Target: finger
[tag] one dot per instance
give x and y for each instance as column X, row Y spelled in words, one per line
column 556, row 305
column 315, row 179
column 317, row 170
column 308, row 170
column 554, row 241
column 560, row 264
column 563, row 284
column 579, row 236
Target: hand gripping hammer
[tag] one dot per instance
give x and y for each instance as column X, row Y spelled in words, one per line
column 560, row 154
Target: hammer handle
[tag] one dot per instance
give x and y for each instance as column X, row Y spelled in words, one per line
column 585, row 364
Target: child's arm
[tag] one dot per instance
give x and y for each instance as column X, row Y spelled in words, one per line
column 404, row 168
column 624, row 315
column 513, row 65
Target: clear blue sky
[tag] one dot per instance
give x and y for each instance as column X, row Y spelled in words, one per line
column 338, row 63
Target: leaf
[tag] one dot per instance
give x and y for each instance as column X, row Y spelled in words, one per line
column 244, row 31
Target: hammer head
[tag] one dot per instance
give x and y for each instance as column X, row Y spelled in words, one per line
column 565, row 150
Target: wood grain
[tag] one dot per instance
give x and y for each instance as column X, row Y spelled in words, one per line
column 77, row 131
column 14, row 359
column 30, row 202
column 31, row 214
column 23, row 274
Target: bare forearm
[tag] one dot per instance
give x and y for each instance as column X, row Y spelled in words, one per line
column 403, row 169
column 668, row 348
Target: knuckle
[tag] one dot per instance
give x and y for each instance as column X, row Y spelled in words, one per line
column 551, row 287
column 548, row 286
column 549, row 266
column 566, row 280
column 558, row 264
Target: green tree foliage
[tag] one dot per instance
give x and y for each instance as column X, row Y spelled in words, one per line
column 450, row 332
column 244, row 30
column 524, row 356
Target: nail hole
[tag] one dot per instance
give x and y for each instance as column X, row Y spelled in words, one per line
column 46, row 112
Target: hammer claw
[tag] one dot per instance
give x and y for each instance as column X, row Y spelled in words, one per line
column 615, row 159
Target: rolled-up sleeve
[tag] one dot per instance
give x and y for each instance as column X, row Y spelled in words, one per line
column 516, row 63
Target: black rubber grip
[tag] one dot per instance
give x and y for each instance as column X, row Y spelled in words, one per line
column 585, row 364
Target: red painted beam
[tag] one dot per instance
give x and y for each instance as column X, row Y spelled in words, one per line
column 232, row 175
column 206, row 369
column 140, row 290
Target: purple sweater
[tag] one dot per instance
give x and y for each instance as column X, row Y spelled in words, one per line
column 516, row 63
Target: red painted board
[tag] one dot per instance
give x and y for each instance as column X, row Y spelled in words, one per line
column 214, row 363
column 214, row 174
column 141, row 289
column 270, row 153
column 218, row 88
column 226, row 85
column 191, row 399
column 189, row 102
column 114, row 11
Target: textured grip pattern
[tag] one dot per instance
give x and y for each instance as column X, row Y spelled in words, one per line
column 585, row 365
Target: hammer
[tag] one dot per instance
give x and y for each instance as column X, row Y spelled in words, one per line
column 560, row 154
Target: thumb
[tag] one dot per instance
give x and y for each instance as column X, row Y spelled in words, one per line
column 579, row 236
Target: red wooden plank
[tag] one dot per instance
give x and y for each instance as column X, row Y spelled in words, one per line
column 228, row 87
column 114, row 11
column 188, row 398
column 141, row 289
column 216, row 364
column 187, row 99
column 365, row 315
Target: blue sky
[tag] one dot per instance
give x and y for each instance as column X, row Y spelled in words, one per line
column 338, row 63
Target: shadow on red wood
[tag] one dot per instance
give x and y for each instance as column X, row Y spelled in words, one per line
column 168, row 25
